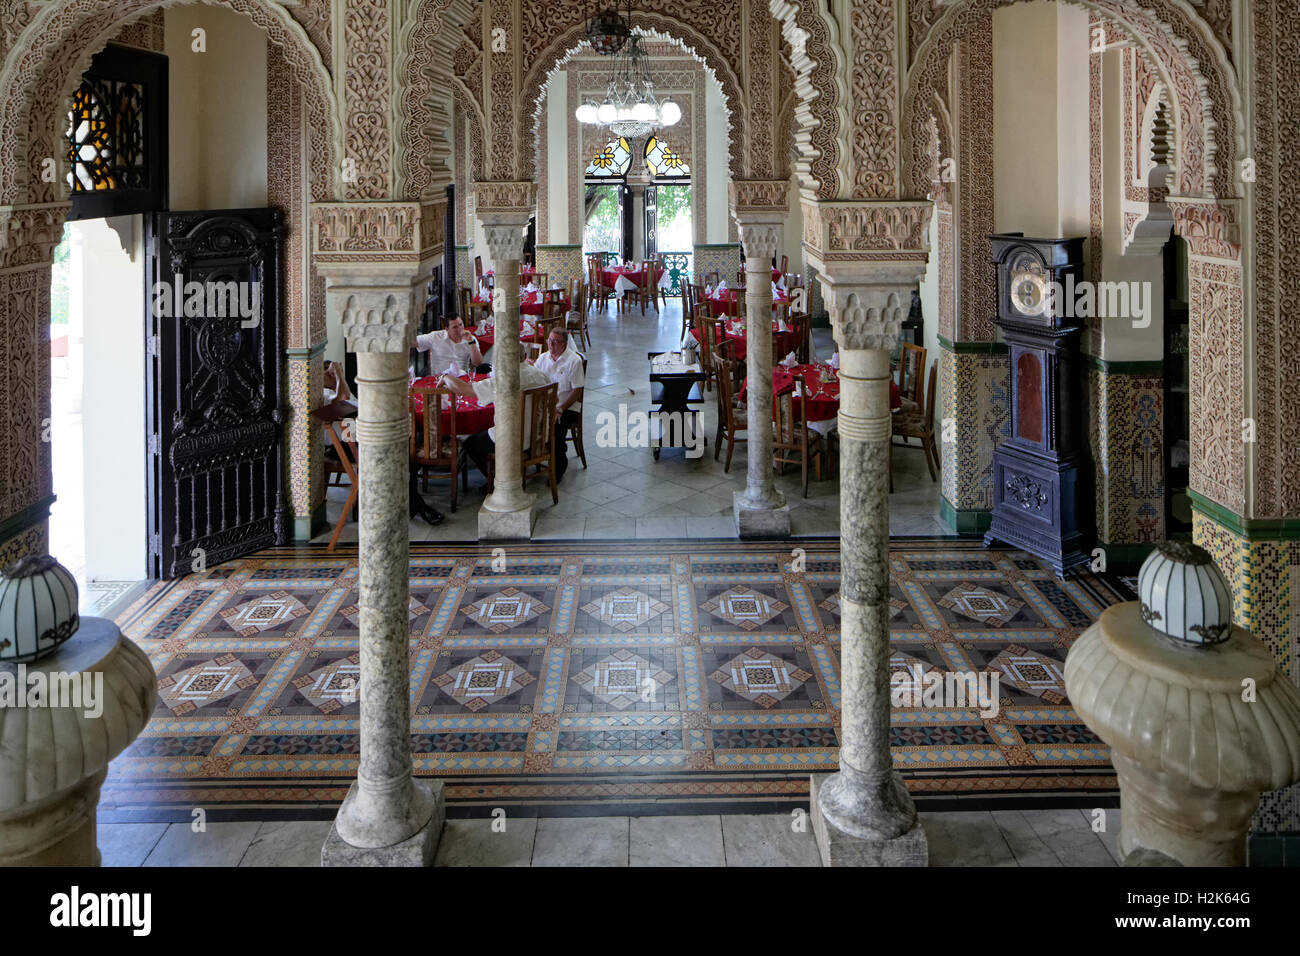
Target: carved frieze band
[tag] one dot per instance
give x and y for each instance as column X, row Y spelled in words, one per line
column 28, row 234
column 758, row 197
column 1209, row 226
column 368, row 232
column 505, row 198
column 844, row 231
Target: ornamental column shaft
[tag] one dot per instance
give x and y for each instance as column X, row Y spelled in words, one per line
column 388, row 817
column 760, row 510
column 505, row 209
column 863, row 815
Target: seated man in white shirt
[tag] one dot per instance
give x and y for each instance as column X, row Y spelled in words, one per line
column 563, row 366
column 452, row 344
column 479, row 446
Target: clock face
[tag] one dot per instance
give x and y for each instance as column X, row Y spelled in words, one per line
column 1029, row 290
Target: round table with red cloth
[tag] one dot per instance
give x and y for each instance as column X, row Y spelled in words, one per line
column 471, row 417
column 824, row 400
column 784, row 341
column 530, row 303
column 632, row 274
column 718, row 303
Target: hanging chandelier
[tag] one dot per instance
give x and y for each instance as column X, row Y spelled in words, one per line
column 607, row 32
column 630, row 108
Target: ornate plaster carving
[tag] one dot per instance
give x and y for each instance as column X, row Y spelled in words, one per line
column 848, row 231
column 366, row 232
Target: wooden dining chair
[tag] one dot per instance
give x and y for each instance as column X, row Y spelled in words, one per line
column 432, row 448
column 540, row 279
column 919, row 424
column 538, row 416
column 732, row 418
column 575, row 320
column 911, row 371
column 478, row 270
column 572, row 433
column 793, row 442
column 712, row 278
column 552, row 318
column 742, row 279
column 645, row 289
column 598, row 293
column 801, row 324
column 706, row 336
column 785, row 264
column 688, row 307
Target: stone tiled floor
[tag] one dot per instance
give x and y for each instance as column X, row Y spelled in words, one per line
column 964, row 838
column 625, row 493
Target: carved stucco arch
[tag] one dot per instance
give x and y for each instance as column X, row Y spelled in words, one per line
column 469, row 108
column 1182, row 49
column 557, row 53
column 422, row 111
column 820, row 95
column 56, row 47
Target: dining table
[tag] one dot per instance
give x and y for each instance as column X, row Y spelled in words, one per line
column 821, row 402
column 734, row 330
column 721, row 301
column 486, row 335
column 530, row 303
column 631, row 277
column 471, row 417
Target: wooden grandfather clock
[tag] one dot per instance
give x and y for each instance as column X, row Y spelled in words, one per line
column 1042, row 489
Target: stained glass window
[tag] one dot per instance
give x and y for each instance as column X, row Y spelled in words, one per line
column 614, row 159
column 106, row 132
column 664, row 161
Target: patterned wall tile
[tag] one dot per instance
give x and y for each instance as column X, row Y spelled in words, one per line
column 303, row 443
column 560, row 263
column 1126, row 434
column 722, row 259
column 974, row 392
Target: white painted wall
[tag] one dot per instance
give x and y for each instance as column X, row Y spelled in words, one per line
column 113, row 400
column 1040, row 119
column 717, row 140
column 217, row 109
column 557, row 147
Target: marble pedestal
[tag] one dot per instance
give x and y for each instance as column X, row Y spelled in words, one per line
column 839, row 848
column 1205, row 732
column 418, row 849
column 53, row 760
column 513, row 525
column 754, row 522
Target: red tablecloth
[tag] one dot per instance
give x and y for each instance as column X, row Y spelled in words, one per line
column 718, row 303
column 530, row 303
column 631, row 273
column 776, row 275
column 784, row 341
column 825, row 401
column 471, row 417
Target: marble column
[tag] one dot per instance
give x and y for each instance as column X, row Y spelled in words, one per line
column 760, row 510
column 508, row 513
column 863, row 815
column 388, row 817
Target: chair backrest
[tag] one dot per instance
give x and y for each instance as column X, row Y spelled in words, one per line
column 478, row 267
column 734, row 298
column 464, row 296
column 427, row 435
column 911, row 369
column 793, row 280
column 928, row 410
column 801, row 323
column 537, row 410
column 539, row 279
column 725, row 373
column 742, row 278
column 785, row 264
column 712, row 278
column 647, row 270
column 545, row 324
column 791, row 433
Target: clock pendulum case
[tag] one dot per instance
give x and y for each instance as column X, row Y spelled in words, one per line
column 1042, row 480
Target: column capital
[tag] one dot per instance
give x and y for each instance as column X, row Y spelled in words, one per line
column 505, row 202
column 867, row 306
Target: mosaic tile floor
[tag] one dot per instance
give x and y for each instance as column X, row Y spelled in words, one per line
column 586, row 677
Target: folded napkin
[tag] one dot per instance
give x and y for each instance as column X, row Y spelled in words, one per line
column 556, row 286
column 790, row 361
column 781, row 326
column 835, row 361
column 454, row 370
column 779, row 284
column 530, row 288
column 722, row 285
column 776, row 291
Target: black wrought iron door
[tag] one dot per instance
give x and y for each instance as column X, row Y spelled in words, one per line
column 215, row 387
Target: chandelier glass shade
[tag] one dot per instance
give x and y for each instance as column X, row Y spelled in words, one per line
column 630, row 108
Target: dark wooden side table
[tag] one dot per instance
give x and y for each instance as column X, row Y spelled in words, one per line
column 674, row 388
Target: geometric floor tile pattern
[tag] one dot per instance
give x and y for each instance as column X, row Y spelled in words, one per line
column 585, row 677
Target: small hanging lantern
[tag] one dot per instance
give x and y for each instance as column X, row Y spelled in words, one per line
column 607, row 31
